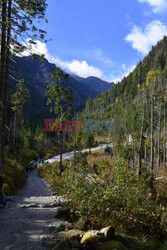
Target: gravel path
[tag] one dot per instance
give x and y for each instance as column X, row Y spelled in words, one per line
column 24, row 223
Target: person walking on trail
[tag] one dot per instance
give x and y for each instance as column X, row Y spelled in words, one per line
column 30, row 167
column 36, row 165
column 2, row 193
column 39, row 160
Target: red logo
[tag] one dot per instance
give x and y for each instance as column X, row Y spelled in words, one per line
column 53, row 125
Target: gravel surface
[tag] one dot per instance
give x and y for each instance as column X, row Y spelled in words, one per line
column 25, row 222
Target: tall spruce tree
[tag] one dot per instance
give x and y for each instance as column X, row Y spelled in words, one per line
column 62, row 102
column 17, row 25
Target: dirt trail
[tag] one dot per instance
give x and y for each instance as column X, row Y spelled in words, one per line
column 22, row 227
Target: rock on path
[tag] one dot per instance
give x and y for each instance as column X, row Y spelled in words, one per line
column 23, row 224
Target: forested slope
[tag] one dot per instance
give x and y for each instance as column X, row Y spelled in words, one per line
column 106, row 105
column 138, row 102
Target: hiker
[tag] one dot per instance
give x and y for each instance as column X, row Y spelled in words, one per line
column 30, row 167
column 39, row 160
column 36, row 165
column 2, row 193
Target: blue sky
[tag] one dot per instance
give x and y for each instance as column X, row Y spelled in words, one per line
column 104, row 38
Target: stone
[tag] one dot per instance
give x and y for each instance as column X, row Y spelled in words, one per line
column 92, row 235
column 62, row 245
column 108, row 232
column 51, row 205
column 60, row 226
column 72, row 234
column 62, row 213
column 113, row 245
column 54, row 192
column 60, row 199
column 33, row 205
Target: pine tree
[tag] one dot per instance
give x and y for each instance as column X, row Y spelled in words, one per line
column 62, row 102
column 18, row 99
column 17, row 18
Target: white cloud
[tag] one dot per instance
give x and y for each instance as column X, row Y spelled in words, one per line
column 157, row 5
column 80, row 68
column 143, row 40
column 38, row 48
column 126, row 71
column 83, row 69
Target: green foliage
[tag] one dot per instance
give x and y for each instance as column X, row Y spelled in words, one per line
column 164, row 245
column 109, row 191
column 89, row 140
column 51, row 175
column 14, row 176
column 20, row 97
column 22, row 22
column 124, row 102
column 60, row 96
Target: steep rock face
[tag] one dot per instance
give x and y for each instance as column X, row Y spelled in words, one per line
column 36, row 73
column 96, row 84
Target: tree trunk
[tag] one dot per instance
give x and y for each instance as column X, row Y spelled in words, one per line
column 164, row 141
column 140, row 142
column 145, row 155
column 14, row 129
column 2, row 83
column 152, row 135
column 134, row 153
column 61, row 152
column 159, row 136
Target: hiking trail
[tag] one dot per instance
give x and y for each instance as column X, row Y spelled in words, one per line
column 25, row 222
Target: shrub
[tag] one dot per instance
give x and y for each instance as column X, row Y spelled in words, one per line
column 14, row 176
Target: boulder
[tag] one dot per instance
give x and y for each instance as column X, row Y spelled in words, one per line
column 50, row 205
column 108, row 232
column 33, row 205
column 72, row 234
column 62, row 245
column 91, row 236
column 59, row 225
